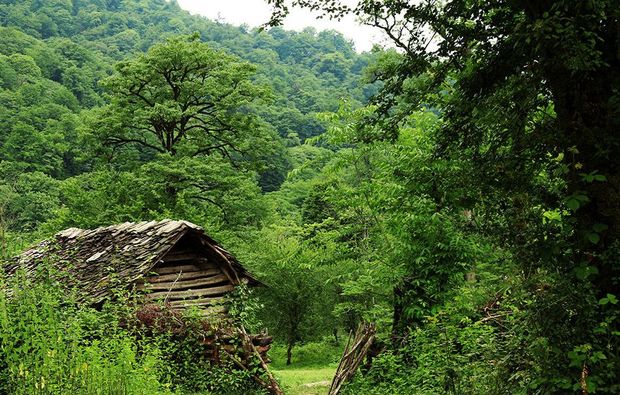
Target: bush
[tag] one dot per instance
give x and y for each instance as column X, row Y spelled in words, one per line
column 188, row 343
column 454, row 350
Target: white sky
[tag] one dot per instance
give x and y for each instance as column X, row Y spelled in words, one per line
column 256, row 12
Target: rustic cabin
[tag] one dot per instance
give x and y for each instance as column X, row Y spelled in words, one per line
column 173, row 262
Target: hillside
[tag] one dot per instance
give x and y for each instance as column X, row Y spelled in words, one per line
column 55, row 54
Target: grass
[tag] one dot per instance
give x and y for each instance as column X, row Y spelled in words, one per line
column 305, row 380
column 312, row 369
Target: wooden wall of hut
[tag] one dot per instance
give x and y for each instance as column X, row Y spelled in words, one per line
column 188, row 276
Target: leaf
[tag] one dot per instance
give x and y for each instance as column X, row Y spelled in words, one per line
column 587, row 177
column 576, row 200
column 573, row 204
column 594, row 238
column 552, row 215
column 593, row 176
column 575, row 358
column 581, row 197
column 585, row 271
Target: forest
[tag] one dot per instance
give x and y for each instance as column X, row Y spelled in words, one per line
column 457, row 188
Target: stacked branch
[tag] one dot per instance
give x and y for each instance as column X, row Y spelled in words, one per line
column 353, row 355
column 271, row 384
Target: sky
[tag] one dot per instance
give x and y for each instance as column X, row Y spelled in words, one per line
column 256, row 12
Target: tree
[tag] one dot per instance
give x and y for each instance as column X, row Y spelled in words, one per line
column 529, row 93
column 182, row 97
column 7, row 193
column 294, row 289
column 209, row 191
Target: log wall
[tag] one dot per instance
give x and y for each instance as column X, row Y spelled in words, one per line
column 186, row 278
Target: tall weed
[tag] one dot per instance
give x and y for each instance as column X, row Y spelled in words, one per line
column 49, row 345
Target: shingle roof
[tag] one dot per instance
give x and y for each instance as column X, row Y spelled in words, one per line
column 98, row 259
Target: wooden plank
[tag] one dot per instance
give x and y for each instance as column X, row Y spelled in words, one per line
column 208, row 311
column 176, row 269
column 194, row 283
column 225, row 270
column 182, row 276
column 182, row 256
column 176, row 295
column 220, row 252
column 198, row 302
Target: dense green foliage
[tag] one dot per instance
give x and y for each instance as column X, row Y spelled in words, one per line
column 459, row 190
column 50, row 345
column 54, row 59
column 118, row 111
column 528, row 97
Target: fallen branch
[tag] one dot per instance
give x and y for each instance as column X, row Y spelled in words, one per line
column 352, row 356
column 274, row 387
column 240, row 364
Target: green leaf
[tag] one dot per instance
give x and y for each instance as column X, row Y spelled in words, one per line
column 576, row 358
column 581, row 197
column 573, row 204
column 552, row 215
column 594, row 238
column 600, row 177
column 585, row 271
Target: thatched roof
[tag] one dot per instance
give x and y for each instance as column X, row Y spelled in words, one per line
column 96, row 260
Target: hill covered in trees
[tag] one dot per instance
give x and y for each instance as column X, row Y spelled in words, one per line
column 55, row 54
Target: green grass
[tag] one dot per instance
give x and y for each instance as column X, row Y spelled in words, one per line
column 312, row 369
column 315, row 354
column 305, row 381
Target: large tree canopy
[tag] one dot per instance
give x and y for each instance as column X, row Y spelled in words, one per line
column 529, row 92
column 182, row 95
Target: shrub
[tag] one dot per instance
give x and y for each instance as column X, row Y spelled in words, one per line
column 198, row 352
column 454, row 350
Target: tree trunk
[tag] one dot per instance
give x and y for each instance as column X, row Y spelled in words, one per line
column 289, row 352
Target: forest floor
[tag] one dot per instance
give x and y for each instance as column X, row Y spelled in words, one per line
column 312, row 370
column 305, row 380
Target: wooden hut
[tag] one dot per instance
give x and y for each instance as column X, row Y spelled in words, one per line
column 171, row 261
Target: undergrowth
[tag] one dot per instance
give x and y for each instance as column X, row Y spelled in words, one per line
column 50, row 344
